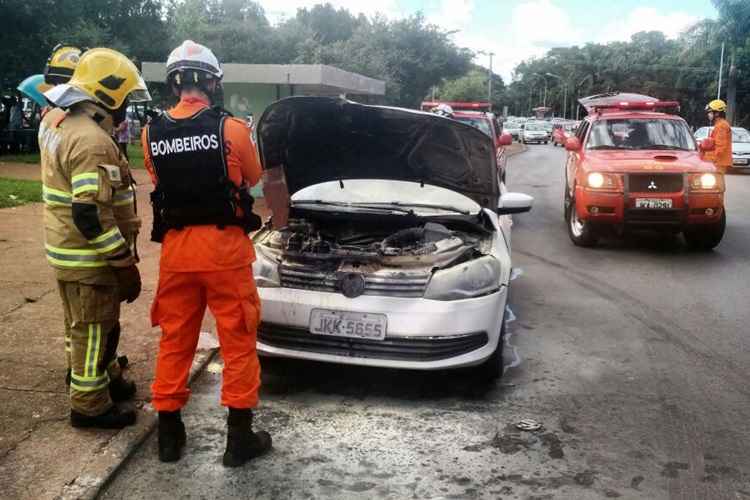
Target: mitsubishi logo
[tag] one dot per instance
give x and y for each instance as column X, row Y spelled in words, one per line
column 652, row 186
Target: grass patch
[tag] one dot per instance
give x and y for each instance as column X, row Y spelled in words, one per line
column 14, row 192
column 135, row 155
column 21, row 158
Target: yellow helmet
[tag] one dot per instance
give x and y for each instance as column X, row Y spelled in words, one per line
column 109, row 78
column 61, row 64
column 717, row 105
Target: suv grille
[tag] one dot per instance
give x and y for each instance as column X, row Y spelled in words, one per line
column 400, row 348
column 658, row 183
column 375, row 284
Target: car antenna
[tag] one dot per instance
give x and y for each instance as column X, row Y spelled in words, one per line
column 421, row 183
column 341, row 183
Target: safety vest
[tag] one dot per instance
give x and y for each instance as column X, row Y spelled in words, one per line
column 193, row 187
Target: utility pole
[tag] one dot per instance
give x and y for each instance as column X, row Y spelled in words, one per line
column 565, row 90
column 489, row 79
column 721, row 71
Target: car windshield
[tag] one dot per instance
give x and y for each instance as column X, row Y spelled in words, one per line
column 534, row 126
column 637, row 133
column 478, row 122
column 740, row 135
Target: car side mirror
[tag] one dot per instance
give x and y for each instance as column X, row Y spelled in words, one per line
column 504, row 139
column 515, row 203
column 707, row 144
column 573, row 144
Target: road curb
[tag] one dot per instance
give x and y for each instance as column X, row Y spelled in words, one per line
column 523, row 149
column 108, row 460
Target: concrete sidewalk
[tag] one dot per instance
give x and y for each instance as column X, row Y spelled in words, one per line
column 41, row 456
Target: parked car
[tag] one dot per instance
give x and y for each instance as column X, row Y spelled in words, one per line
column 394, row 247
column 487, row 124
column 634, row 165
column 740, row 146
column 534, row 132
column 513, row 128
column 561, row 132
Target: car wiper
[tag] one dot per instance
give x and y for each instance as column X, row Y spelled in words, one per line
column 417, row 205
column 342, row 204
column 665, row 146
column 607, row 146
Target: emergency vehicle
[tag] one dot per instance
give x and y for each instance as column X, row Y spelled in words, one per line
column 478, row 115
column 634, row 164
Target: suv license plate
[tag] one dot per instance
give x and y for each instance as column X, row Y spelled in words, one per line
column 741, row 161
column 653, row 203
column 348, row 324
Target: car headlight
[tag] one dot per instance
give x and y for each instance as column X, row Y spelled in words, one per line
column 705, row 182
column 470, row 279
column 265, row 270
column 599, row 180
column 596, row 180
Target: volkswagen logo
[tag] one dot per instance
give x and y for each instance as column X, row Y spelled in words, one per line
column 352, row 285
column 652, row 186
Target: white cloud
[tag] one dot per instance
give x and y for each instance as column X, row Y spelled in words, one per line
column 453, row 14
column 647, row 19
column 533, row 27
column 278, row 10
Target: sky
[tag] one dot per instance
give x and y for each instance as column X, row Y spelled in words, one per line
column 519, row 29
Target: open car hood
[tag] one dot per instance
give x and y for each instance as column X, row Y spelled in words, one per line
column 319, row 139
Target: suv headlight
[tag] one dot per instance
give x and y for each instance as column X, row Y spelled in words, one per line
column 603, row 181
column 471, row 279
column 706, row 182
column 265, row 270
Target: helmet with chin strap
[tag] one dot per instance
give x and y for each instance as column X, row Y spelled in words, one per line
column 195, row 65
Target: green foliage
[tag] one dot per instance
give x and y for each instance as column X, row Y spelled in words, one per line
column 473, row 86
column 14, row 192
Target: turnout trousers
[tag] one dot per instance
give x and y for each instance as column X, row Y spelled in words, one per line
column 178, row 309
column 92, row 333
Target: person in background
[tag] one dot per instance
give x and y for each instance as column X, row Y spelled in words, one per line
column 122, row 136
column 721, row 133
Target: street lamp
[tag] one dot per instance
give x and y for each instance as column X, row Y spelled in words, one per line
column 489, row 83
column 565, row 90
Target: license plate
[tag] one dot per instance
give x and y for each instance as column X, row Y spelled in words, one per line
column 741, row 161
column 348, row 324
column 653, row 203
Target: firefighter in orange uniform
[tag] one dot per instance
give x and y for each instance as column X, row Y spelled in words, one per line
column 721, row 134
column 202, row 162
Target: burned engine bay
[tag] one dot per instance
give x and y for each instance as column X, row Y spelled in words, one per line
column 395, row 255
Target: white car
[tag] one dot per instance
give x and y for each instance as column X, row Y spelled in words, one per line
column 394, row 247
column 534, row 132
column 740, row 145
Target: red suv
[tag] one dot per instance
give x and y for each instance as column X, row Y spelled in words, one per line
column 632, row 164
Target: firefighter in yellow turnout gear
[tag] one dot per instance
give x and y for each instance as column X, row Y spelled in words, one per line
column 91, row 225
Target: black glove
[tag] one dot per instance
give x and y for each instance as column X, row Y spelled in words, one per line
column 129, row 281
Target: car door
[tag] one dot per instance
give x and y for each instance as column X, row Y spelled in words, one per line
column 574, row 158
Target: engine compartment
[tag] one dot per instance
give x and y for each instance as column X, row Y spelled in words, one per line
column 385, row 242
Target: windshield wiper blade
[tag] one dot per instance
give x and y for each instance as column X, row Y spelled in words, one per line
column 666, row 146
column 419, row 205
column 607, row 146
column 353, row 205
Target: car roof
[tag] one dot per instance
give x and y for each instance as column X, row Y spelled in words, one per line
column 632, row 114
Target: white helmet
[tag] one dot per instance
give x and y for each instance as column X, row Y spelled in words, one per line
column 192, row 62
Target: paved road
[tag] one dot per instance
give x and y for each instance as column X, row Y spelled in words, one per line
column 634, row 355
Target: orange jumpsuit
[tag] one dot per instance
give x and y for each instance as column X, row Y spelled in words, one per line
column 206, row 266
column 721, row 155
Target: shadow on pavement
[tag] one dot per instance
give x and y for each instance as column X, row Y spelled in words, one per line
column 282, row 377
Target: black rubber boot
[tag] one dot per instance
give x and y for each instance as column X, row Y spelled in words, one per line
column 242, row 443
column 121, row 390
column 171, row 436
column 114, row 418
